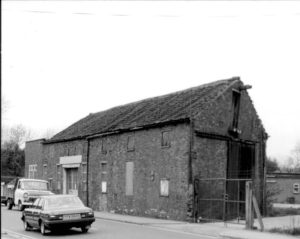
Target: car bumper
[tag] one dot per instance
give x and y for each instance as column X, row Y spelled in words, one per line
column 69, row 223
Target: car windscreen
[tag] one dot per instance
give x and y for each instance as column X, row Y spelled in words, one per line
column 62, row 202
column 35, row 185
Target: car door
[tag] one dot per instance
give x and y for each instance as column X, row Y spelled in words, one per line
column 29, row 212
column 37, row 212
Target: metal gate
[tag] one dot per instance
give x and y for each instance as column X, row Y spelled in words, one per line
column 224, row 198
column 220, row 199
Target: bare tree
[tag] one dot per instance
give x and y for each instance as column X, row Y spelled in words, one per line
column 293, row 162
column 19, row 134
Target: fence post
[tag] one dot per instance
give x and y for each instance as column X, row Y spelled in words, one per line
column 258, row 213
column 249, row 214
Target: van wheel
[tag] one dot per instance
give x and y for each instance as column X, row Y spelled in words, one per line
column 9, row 204
column 20, row 206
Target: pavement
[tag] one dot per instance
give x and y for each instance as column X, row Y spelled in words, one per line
column 217, row 230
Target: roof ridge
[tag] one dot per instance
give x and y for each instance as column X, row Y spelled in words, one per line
column 214, row 83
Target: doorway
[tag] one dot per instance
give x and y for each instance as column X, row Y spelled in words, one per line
column 71, row 185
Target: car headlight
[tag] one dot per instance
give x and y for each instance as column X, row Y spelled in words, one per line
column 91, row 213
column 25, row 195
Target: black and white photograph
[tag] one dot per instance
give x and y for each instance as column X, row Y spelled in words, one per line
column 150, row 119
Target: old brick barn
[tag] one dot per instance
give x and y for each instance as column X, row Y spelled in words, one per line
column 180, row 156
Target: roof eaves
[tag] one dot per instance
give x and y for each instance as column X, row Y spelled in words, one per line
column 120, row 130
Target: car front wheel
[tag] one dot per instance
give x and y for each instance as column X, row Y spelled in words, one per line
column 26, row 226
column 9, row 204
column 85, row 229
column 43, row 229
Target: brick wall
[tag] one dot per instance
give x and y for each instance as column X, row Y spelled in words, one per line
column 34, row 155
column 152, row 162
column 210, row 155
column 282, row 189
column 51, row 156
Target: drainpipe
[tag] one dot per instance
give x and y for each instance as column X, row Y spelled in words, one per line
column 190, row 177
column 87, row 172
column 191, row 188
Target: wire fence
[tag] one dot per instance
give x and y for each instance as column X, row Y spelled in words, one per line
column 220, row 199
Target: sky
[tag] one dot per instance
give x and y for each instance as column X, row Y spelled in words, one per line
column 62, row 60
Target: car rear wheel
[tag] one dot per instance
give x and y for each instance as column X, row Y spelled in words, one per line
column 85, row 229
column 43, row 229
column 26, row 225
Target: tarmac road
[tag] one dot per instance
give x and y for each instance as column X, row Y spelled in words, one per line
column 12, row 225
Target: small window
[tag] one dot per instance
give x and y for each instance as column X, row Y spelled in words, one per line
column 45, row 170
column 50, row 180
column 104, row 187
column 104, row 147
column 32, row 170
column 164, row 187
column 296, row 188
column 236, row 95
column 165, row 139
column 104, row 166
column 130, row 143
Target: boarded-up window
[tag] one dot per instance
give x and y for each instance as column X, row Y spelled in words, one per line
column 165, row 139
column 164, row 187
column 129, row 178
column 104, row 187
column 104, row 177
column 130, row 143
column 58, row 176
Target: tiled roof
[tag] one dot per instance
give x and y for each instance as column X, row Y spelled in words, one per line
column 170, row 107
